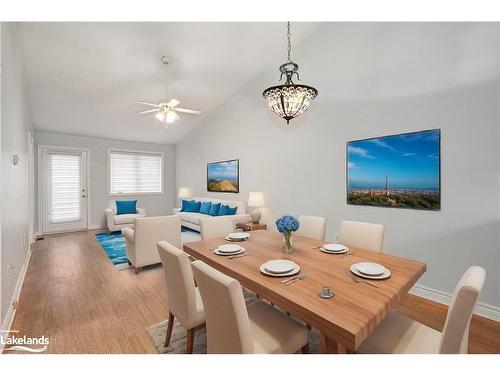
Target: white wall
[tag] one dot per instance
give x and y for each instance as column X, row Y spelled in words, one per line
column 155, row 205
column 375, row 80
column 16, row 123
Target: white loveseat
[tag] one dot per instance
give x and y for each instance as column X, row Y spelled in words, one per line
column 117, row 222
column 192, row 219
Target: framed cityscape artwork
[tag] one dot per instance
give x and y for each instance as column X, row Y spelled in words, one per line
column 401, row 171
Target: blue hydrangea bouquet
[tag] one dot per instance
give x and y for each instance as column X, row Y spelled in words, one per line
column 287, row 225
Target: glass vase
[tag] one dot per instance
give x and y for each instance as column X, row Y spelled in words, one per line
column 287, row 242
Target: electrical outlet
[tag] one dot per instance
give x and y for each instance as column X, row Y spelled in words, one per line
column 10, row 267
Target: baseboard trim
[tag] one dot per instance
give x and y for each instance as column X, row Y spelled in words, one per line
column 11, row 312
column 92, row 227
column 481, row 309
column 95, row 227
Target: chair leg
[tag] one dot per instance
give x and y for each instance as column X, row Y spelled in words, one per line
column 305, row 349
column 169, row 329
column 308, row 326
column 190, row 341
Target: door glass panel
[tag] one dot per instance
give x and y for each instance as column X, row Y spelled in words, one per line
column 64, row 188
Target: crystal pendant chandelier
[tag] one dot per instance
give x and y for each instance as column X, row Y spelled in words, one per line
column 289, row 100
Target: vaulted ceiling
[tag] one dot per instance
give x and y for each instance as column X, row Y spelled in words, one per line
column 83, row 78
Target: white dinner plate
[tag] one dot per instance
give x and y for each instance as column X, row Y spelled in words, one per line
column 370, row 269
column 238, row 236
column 216, row 251
column 295, row 271
column 334, row 247
column 343, row 251
column 229, row 248
column 279, row 266
column 384, row 275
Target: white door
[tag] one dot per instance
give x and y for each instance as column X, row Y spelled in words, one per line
column 64, row 190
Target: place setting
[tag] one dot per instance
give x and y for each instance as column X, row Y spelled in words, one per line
column 231, row 251
column 368, row 270
column 335, row 248
column 280, row 268
column 237, row 237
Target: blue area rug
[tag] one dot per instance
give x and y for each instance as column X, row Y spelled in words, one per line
column 114, row 245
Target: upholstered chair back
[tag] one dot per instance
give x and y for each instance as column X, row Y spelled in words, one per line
column 366, row 236
column 211, row 227
column 312, row 227
column 455, row 335
column 228, row 325
column 181, row 290
column 151, row 230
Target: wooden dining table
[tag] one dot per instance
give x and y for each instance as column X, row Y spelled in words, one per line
column 345, row 320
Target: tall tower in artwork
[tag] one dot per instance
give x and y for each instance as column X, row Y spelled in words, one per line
column 386, row 190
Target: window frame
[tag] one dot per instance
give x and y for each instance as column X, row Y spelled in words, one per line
column 137, row 152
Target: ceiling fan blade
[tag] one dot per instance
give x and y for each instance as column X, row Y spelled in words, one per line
column 146, row 103
column 173, row 103
column 150, row 111
column 192, row 111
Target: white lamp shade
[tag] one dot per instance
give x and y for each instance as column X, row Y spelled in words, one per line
column 184, row 192
column 256, row 199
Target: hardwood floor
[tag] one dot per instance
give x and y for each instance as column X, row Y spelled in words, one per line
column 74, row 295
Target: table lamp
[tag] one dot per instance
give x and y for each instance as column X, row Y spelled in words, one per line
column 255, row 200
column 184, row 192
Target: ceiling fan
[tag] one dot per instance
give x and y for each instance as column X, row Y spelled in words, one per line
column 165, row 111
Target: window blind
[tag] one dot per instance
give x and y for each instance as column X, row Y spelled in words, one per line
column 64, row 188
column 132, row 173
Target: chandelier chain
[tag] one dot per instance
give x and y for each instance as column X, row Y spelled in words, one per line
column 289, row 36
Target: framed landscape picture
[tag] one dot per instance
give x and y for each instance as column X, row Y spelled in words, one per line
column 401, row 171
column 223, row 176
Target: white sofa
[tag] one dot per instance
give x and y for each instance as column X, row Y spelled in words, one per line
column 192, row 219
column 142, row 241
column 117, row 222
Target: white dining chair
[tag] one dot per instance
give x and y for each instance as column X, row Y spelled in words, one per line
column 184, row 300
column 400, row 334
column 312, row 227
column 211, row 227
column 233, row 327
column 359, row 235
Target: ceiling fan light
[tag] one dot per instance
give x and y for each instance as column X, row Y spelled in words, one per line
column 160, row 116
column 171, row 116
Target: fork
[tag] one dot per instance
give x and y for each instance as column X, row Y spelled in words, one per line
column 347, row 254
column 358, row 280
column 237, row 256
column 301, row 277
